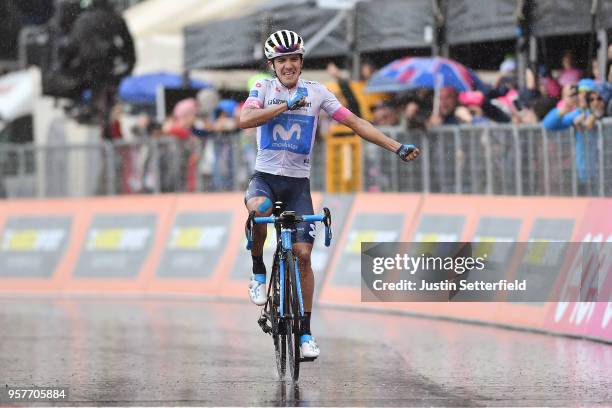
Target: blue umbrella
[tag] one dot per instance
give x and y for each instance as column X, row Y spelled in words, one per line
column 228, row 106
column 142, row 89
column 419, row 72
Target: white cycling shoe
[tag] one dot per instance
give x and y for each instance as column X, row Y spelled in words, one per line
column 309, row 347
column 257, row 292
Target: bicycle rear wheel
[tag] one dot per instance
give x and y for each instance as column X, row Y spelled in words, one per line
column 292, row 324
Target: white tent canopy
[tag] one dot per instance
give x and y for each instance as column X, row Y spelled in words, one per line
column 17, row 92
column 157, row 27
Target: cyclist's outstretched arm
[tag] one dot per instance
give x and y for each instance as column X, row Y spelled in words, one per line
column 368, row 132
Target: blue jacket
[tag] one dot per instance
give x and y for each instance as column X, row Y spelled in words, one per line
column 586, row 142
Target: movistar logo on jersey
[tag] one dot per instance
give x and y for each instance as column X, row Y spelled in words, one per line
column 279, row 132
column 303, row 90
column 292, row 133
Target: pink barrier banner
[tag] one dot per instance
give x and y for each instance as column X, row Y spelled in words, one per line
column 194, row 244
column 590, row 319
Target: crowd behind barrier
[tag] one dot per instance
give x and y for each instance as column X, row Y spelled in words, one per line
column 500, row 159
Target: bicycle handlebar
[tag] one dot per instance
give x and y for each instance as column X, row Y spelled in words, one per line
column 325, row 218
column 303, row 218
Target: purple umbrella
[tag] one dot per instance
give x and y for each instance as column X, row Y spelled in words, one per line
column 419, row 72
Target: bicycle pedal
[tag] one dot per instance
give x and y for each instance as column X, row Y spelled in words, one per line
column 263, row 323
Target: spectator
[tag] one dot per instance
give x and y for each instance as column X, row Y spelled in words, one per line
column 569, row 74
column 595, row 71
column 547, row 85
column 385, row 114
column 182, row 120
column 471, row 112
column 507, row 79
column 203, row 129
column 121, row 168
column 181, row 126
column 225, row 125
column 448, row 104
column 585, row 87
column 225, row 116
column 542, row 86
column 606, row 92
column 208, row 99
column 534, row 98
column 351, row 94
column 575, row 111
column 366, row 70
column 115, row 122
column 417, row 108
column 541, row 107
column 101, row 52
column 598, row 100
column 137, row 162
column 166, row 178
column 346, row 94
column 413, row 114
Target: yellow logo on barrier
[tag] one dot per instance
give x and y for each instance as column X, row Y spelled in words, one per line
column 541, row 252
column 357, row 237
column 107, row 239
column 428, row 241
column 188, row 238
column 32, row 239
column 484, row 246
column 435, row 237
column 23, row 240
column 118, row 239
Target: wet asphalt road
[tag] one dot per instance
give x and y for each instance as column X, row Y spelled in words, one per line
column 192, row 352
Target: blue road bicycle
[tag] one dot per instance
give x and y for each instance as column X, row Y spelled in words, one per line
column 282, row 315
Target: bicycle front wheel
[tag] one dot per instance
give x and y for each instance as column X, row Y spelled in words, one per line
column 292, row 321
column 278, row 327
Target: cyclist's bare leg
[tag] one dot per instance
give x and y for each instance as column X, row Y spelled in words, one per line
column 263, row 208
column 303, row 250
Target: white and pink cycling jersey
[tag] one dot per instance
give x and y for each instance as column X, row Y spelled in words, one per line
column 284, row 143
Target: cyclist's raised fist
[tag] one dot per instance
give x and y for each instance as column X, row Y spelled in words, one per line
column 408, row 152
column 297, row 101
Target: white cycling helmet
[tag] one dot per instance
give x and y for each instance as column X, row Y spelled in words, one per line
column 283, row 42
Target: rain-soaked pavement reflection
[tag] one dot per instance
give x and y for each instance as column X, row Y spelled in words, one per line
column 165, row 353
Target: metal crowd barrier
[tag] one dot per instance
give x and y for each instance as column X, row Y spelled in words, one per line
column 221, row 162
column 497, row 159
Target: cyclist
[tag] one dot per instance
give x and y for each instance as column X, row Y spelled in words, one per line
column 285, row 111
